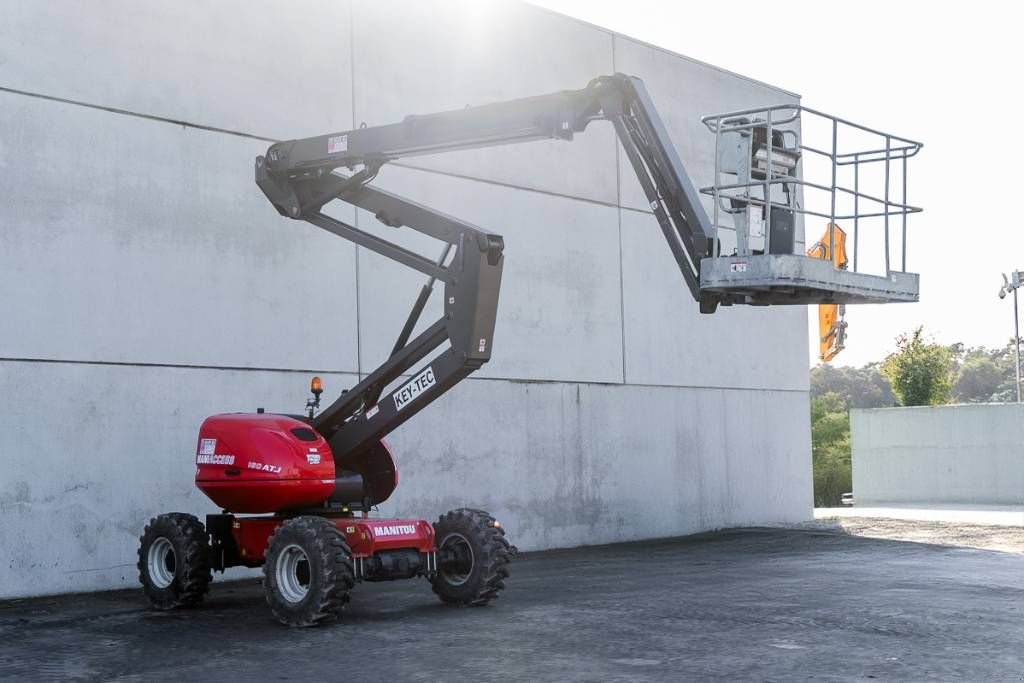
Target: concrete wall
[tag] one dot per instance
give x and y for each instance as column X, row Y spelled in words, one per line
column 941, row 454
column 147, row 283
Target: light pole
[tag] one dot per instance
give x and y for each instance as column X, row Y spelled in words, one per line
column 1011, row 284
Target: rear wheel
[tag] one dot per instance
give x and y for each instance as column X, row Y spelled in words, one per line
column 174, row 561
column 473, row 557
column 307, row 575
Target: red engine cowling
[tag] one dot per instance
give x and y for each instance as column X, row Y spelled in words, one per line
column 255, row 463
column 262, row 463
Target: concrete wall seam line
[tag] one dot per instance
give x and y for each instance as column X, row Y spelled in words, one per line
column 640, row 385
column 618, row 220
column 622, row 290
column 355, row 222
column 176, row 366
column 510, row 380
column 140, row 115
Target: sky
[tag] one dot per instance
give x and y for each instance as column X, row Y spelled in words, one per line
column 946, row 74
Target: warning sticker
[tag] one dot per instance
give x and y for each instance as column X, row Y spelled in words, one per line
column 337, row 143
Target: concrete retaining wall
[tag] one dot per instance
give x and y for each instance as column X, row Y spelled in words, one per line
column 145, row 282
column 939, row 454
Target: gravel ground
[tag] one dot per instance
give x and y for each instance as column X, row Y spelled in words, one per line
column 1003, row 538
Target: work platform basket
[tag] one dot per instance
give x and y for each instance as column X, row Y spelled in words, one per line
column 785, row 171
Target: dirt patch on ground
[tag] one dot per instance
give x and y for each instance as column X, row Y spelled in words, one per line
column 1003, row 538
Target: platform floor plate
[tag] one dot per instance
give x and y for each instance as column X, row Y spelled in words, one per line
column 774, row 279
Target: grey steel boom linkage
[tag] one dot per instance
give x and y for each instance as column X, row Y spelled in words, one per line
column 300, row 176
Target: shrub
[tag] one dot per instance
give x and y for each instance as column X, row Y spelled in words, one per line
column 830, row 449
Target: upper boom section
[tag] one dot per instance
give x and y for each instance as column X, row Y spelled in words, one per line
column 293, row 171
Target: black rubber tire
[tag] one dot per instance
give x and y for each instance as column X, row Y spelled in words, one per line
column 187, row 561
column 479, row 580
column 328, row 573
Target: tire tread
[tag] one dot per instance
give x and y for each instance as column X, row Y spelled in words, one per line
column 326, row 542
column 192, row 585
column 496, row 557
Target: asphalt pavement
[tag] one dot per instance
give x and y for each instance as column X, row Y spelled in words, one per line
column 755, row 604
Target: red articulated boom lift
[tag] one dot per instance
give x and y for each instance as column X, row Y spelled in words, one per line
column 297, row 490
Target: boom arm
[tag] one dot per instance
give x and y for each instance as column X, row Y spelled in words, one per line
column 300, row 176
column 294, row 167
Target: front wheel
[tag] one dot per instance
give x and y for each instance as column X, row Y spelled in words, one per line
column 307, row 575
column 174, row 561
column 473, row 557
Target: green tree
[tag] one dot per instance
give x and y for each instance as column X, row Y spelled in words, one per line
column 984, row 375
column 830, row 449
column 920, row 372
column 978, row 379
column 863, row 387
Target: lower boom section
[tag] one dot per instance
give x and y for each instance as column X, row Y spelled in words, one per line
column 381, row 549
